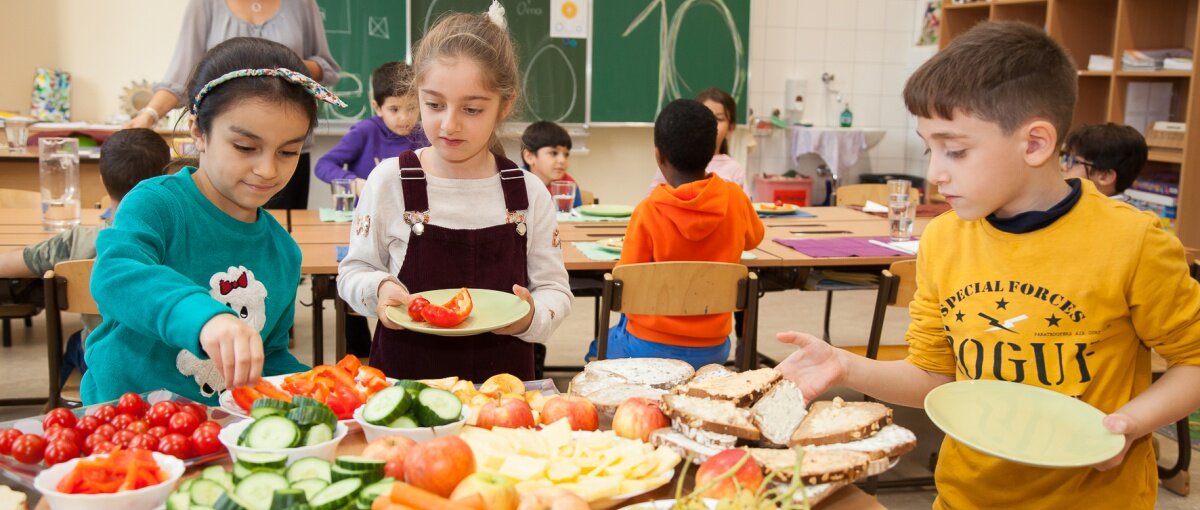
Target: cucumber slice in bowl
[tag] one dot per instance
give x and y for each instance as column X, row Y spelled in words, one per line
column 437, row 407
column 278, row 442
column 387, row 405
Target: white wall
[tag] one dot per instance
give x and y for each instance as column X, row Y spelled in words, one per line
column 866, row 44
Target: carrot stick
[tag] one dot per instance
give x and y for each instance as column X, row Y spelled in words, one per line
column 422, row 499
column 473, row 501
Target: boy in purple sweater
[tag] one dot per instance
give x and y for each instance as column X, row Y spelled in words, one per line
column 393, row 129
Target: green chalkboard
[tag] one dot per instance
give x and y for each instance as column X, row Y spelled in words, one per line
column 553, row 70
column 363, row 34
column 649, row 52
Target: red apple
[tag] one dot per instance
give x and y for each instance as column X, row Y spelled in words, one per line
column 579, row 411
column 552, row 498
column 637, row 417
column 749, row 476
column 439, row 465
column 513, row 413
column 392, row 450
column 496, row 491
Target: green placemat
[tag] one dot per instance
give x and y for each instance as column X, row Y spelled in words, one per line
column 594, row 252
column 576, row 217
column 328, row 214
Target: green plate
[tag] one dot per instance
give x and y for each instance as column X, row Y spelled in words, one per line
column 606, row 210
column 611, row 245
column 1022, row 423
column 491, row 310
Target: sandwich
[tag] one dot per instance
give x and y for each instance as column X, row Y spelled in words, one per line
column 740, row 388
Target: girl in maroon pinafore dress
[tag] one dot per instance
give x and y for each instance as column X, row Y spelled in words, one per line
column 455, row 215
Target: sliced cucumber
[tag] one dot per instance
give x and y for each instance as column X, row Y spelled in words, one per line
column 318, row 434
column 340, row 473
column 310, row 486
column 241, row 471
column 179, row 501
column 307, row 416
column 206, row 492
column 201, row 507
column 273, row 433
column 263, row 460
column 219, row 475
column 230, row 501
column 356, row 463
column 257, row 488
column 404, row 422
column 336, row 495
column 437, row 407
column 368, row 494
column 302, row 401
column 288, row 499
column 263, row 412
column 412, row 387
column 386, row 405
column 309, row 468
column 272, row 403
column 185, row 485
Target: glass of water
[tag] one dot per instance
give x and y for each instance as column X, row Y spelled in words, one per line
column 563, row 193
column 343, row 194
column 902, row 210
column 58, row 172
column 16, row 130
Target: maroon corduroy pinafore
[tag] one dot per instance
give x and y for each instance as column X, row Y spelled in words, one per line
column 442, row 258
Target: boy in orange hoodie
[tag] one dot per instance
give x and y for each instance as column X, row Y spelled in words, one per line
column 695, row 217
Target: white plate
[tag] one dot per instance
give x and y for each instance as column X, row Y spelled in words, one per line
column 231, row 407
column 603, row 504
column 145, row 498
column 327, row 450
column 666, row 504
column 419, row 434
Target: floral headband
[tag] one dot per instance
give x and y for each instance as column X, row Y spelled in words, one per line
column 315, row 89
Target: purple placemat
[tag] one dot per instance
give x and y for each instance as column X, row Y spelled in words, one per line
column 842, row 247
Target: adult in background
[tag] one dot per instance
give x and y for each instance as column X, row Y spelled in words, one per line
column 207, row 23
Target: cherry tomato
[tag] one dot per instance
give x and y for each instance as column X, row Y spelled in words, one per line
column 121, row 421
column 200, row 410
column 122, row 437
column 87, row 425
column 160, row 413
column 57, row 433
column 107, row 430
column 184, row 423
column 139, row 426
column 211, row 426
column 7, row 436
column 104, row 447
column 132, row 403
column 204, row 442
column 105, row 413
column 175, row 445
column 144, row 442
column 158, row 431
column 89, row 444
column 61, row 451
column 59, row 416
column 29, row 448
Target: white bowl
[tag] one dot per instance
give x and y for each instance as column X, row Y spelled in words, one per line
column 419, row 434
column 327, row 450
column 145, row 498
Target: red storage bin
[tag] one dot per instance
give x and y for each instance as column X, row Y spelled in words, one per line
column 788, row 190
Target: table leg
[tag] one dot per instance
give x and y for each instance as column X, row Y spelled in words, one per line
column 320, row 289
column 339, row 331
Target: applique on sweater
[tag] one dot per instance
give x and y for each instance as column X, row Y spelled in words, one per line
column 247, row 297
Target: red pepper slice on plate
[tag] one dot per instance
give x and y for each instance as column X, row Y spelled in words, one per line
column 450, row 314
column 245, row 397
column 350, row 364
column 343, row 401
column 270, row 390
column 415, row 305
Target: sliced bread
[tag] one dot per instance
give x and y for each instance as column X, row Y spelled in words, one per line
column 743, row 388
column 817, row 466
column 660, row 373
column 778, row 413
column 608, row 396
column 838, row 421
column 711, row 371
column 684, row 445
column 719, row 416
column 890, row 442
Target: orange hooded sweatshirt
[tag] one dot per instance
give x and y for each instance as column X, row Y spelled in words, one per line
column 709, row 220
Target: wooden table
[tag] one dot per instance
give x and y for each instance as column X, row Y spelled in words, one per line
column 19, row 170
column 846, row 498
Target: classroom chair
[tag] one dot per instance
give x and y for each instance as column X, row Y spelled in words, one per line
column 587, row 197
column 104, row 203
column 684, row 289
column 897, row 285
column 11, row 306
column 1176, row 478
column 68, row 289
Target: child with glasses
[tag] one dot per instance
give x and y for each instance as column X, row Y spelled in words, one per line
column 1109, row 155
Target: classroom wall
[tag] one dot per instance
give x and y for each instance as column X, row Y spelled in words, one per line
column 867, row 44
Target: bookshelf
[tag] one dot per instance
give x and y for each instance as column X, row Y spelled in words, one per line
column 1109, row 27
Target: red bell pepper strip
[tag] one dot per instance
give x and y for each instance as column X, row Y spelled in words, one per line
column 245, row 397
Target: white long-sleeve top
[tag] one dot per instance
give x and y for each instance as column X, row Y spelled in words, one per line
column 379, row 239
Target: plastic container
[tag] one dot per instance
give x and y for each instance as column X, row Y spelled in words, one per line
column 788, row 190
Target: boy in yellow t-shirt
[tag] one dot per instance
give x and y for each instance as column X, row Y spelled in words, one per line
column 1031, row 279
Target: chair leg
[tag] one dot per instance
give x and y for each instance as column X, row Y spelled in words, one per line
column 828, row 312
column 7, row 327
column 596, row 318
column 1176, row 478
column 29, row 322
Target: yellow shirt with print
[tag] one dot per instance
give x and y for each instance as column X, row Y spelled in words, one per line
column 1073, row 307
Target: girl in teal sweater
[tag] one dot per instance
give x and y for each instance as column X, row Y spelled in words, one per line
column 195, row 281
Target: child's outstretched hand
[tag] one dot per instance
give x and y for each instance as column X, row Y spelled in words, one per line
column 522, row 325
column 814, row 367
column 390, row 294
column 1118, row 424
column 235, row 349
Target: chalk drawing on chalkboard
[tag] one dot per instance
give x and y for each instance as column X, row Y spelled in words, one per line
column 553, row 49
column 378, row 27
column 343, row 91
column 343, row 17
column 670, row 83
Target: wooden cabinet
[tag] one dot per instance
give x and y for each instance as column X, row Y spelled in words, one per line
column 1109, row 27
